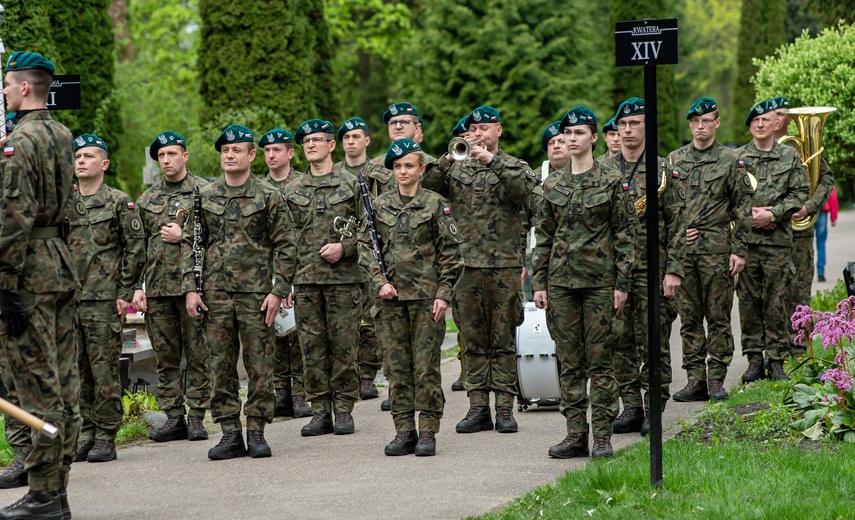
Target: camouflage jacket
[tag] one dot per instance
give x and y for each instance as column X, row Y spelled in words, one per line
column 489, row 204
column 420, row 246
column 818, row 198
column 108, row 244
column 584, row 230
column 781, row 184
column 314, row 204
column 718, row 193
column 37, row 173
column 248, row 240
column 672, row 217
column 380, row 179
column 164, row 203
column 280, row 185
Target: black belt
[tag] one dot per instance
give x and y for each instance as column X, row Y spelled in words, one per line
column 41, row 233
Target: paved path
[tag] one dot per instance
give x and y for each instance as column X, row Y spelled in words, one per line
column 348, row 476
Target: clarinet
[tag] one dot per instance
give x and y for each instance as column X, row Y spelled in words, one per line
column 368, row 208
column 198, row 246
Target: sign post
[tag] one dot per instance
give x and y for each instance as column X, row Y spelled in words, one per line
column 648, row 43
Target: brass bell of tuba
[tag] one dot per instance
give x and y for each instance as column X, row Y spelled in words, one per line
column 809, row 121
column 458, row 148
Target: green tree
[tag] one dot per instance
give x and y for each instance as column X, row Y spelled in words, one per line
column 27, row 27
column 795, row 71
column 832, row 11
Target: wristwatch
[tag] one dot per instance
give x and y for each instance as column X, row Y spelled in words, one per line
column 773, row 215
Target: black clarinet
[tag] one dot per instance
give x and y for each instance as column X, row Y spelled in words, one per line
column 368, row 208
column 198, row 246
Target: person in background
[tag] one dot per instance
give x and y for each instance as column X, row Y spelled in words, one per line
column 821, row 228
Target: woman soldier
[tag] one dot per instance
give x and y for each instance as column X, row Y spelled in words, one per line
column 581, row 277
column 420, row 249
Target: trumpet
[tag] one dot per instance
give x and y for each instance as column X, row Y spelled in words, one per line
column 458, row 148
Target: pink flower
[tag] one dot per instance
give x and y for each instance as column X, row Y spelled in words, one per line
column 840, row 358
column 803, row 319
column 834, row 399
column 841, row 379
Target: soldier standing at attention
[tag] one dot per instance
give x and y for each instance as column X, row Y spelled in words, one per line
column 763, row 287
column 420, row 249
column 581, row 277
column 324, row 204
column 718, row 193
column 165, row 209
column 108, row 245
column 611, row 135
column 248, row 242
column 278, row 146
column 37, row 283
column 634, row 343
column 488, row 194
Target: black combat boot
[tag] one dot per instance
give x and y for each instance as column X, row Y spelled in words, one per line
column 343, row 423
column 717, row 391
column 63, row 503
column 196, row 429
column 35, row 504
column 320, row 424
column 301, row 409
column 505, row 422
column 754, row 372
column 457, row 386
column 14, row 477
column 230, row 446
column 776, row 368
column 257, row 445
column 477, row 419
column 602, row 447
column 694, row 390
column 386, row 405
column 103, row 451
column 174, row 429
column 574, row 445
column 81, row 451
column 404, row 443
column 629, row 420
column 284, row 405
column 426, row 446
column 368, row 390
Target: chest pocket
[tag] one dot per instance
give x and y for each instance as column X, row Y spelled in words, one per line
column 596, row 205
column 559, row 196
column 421, row 230
column 301, row 199
column 341, row 197
column 462, row 175
column 153, row 216
column 102, row 226
column 714, row 174
column 254, row 218
column 215, row 210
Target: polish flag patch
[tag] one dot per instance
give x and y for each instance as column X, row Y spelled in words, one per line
column 741, row 163
column 8, row 150
column 625, row 187
column 675, row 174
column 446, row 210
column 131, row 205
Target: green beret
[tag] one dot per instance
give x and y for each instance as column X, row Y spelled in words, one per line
column 483, row 114
column 702, row 106
column 354, row 123
column 780, row 102
column 460, row 127
column 11, row 121
column 610, row 126
column 312, row 126
column 233, row 133
column 400, row 148
column 400, row 109
column 167, row 138
column 631, row 107
column 276, row 135
column 29, row 60
column 87, row 140
column 548, row 133
column 759, row 109
column 577, row 116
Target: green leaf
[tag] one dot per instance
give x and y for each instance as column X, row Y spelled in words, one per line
column 814, row 432
column 849, row 437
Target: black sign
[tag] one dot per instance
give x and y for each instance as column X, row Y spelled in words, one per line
column 64, row 93
column 646, row 42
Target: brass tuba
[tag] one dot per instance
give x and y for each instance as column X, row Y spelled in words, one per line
column 641, row 204
column 809, row 121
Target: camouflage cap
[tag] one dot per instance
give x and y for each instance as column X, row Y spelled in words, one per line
column 354, row 123
column 548, row 133
column 400, row 109
column 460, row 127
column 276, row 135
column 400, row 148
column 21, row 60
column 760, row 108
column 610, row 126
column 312, row 126
column 233, row 133
column 702, row 106
column 483, row 114
column 631, row 107
column 780, row 102
column 577, row 116
column 167, row 138
column 87, row 140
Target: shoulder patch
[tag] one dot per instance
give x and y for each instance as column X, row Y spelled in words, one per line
column 675, row 174
column 740, row 163
column 136, row 225
column 446, row 210
column 8, row 150
column 131, row 205
column 630, row 207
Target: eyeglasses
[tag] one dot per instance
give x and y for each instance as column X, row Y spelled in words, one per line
column 315, row 140
column 631, row 124
column 705, row 122
column 403, row 123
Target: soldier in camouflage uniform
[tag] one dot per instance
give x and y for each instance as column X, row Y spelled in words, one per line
column 164, row 210
column 488, row 194
column 325, row 205
column 460, row 130
column 611, row 136
column 37, row 283
column 764, row 285
column 719, row 193
column 248, row 244
column 632, row 351
column 107, row 242
column 582, row 264
column 420, row 250
column 278, row 146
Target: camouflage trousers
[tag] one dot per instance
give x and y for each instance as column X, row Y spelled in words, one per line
column 288, row 364
column 368, row 357
column 706, row 292
column 233, row 321
column 17, row 433
column 175, row 335
column 630, row 356
column 487, row 307
column 764, row 288
column 583, row 324
column 43, row 365
column 803, row 280
column 411, row 343
column 99, row 344
column 328, row 326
